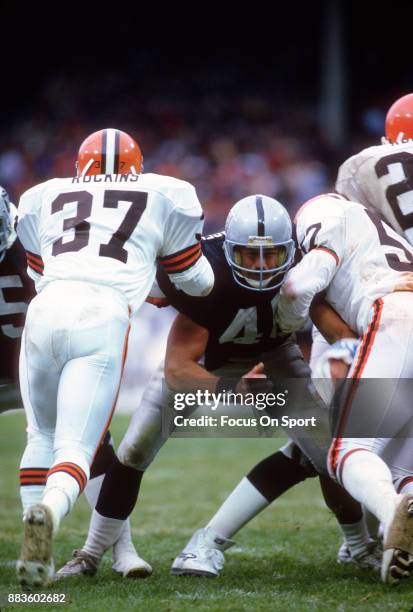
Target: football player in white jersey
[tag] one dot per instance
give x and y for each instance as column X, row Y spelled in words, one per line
column 93, row 242
column 362, row 265
column 381, row 177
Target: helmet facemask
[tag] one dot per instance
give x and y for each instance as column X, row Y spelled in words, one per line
column 260, row 264
column 259, row 245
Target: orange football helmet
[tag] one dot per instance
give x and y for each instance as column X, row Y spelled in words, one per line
column 399, row 120
column 109, row 152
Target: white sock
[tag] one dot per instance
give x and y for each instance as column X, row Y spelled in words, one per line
column 241, row 506
column 103, row 533
column 356, row 536
column 57, row 500
column 124, row 544
column 368, row 479
column 92, row 490
column 31, row 495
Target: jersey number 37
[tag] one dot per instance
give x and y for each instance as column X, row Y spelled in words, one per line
column 84, row 200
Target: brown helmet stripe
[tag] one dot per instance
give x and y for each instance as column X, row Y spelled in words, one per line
column 117, row 150
column 104, row 145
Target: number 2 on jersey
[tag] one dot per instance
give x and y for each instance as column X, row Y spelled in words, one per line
column 84, row 199
column 402, row 187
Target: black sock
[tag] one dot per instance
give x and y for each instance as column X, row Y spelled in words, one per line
column 346, row 509
column 119, row 491
column 276, row 474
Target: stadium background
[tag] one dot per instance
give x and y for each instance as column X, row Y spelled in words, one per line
column 276, row 118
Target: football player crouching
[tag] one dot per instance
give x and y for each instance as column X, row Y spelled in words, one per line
column 232, row 331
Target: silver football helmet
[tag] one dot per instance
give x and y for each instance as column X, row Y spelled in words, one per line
column 5, row 222
column 259, row 245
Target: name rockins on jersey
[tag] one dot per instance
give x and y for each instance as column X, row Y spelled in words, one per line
column 106, row 178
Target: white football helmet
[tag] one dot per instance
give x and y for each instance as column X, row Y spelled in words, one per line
column 261, row 224
column 5, row 222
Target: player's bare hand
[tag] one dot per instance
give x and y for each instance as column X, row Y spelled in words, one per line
column 339, row 370
column 406, row 282
column 255, row 381
column 256, row 372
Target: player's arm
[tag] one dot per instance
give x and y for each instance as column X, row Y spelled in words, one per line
column 181, row 255
column 311, row 276
column 320, row 234
column 328, row 321
column 187, row 342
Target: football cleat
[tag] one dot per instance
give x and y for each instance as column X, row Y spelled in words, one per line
column 202, row 556
column 370, row 558
column 35, row 568
column 82, row 564
column 130, row 565
column 398, row 544
column 126, row 560
column 109, row 152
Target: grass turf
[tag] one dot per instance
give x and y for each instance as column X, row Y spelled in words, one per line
column 284, row 560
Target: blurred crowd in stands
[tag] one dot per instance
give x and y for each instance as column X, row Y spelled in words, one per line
column 227, row 146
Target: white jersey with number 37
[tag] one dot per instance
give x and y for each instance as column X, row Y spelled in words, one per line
column 112, row 229
column 349, row 252
column 381, row 178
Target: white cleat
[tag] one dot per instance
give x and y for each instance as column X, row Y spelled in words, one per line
column 35, row 568
column 130, row 565
column 202, row 556
column 398, row 544
column 368, row 558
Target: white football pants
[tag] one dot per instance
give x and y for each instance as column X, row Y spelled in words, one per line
column 73, row 350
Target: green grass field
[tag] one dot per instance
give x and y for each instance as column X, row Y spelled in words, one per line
column 284, row 560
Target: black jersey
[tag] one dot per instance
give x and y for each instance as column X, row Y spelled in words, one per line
column 239, row 321
column 16, row 291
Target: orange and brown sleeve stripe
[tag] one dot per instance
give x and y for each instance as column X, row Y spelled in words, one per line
column 181, row 260
column 73, row 470
column 35, row 262
column 33, row 476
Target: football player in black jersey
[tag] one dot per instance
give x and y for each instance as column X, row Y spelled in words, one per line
column 16, row 291
column 232, row 330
